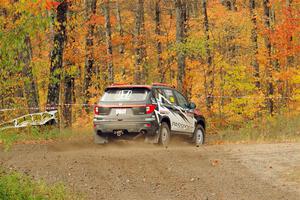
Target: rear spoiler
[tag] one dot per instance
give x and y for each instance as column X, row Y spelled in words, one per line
column 128, row 86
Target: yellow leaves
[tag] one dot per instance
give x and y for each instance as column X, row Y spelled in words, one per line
column 243, row 107
column 295, row 77
column 284, row 75
column 84, row 120
column 96, row 19
column 94, row 92
column 295, row 80
column 161, row 38
column 235, row 96
column 5, row 3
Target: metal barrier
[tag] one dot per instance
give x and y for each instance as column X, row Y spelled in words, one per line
column 36, row 119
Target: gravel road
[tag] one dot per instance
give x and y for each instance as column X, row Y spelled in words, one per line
column 133, row 170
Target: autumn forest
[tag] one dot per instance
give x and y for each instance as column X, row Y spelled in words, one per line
column 236, row 59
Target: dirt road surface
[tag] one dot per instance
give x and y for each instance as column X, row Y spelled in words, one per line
column 142, row 171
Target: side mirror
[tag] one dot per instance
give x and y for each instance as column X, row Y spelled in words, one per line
column 192, row 105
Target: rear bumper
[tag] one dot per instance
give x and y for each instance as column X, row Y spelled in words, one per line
column 109, row 127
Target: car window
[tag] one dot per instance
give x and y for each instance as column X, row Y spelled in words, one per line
column 181, row 100
column 125, row 94
column 169, row 95
column 158, row 92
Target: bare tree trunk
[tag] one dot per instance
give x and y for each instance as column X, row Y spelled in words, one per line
column 254, row 44
column 270, row 86
column 30, row 88
column 69, row 78
column 209, row 81
column 57, row 54
column 158, row 42
column 221, row 93
column 194, row 7
column 290, row 57
column 121, row 34
column 90, row 10
column 171, row 57
column 230, row 4
column 108, row 42
column 275, row 61
column 140, row 51
column 181, row 31
column 68, row 99
column 279, row 84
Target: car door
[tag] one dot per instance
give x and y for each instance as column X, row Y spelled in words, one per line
column 186, row 114
column 167, row 107
column 179, row 120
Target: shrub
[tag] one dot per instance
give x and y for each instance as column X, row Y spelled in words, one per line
column 15, row 186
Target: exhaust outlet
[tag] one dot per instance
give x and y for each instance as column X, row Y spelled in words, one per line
column 119, row 132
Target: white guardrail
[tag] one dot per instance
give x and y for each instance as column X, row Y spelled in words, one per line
column 35, row 119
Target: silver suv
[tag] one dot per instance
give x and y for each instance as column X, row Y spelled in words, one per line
column 155, row 112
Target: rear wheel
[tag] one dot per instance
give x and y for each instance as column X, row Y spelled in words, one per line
column 199, row 135
column 164, row 135
column 100, row 139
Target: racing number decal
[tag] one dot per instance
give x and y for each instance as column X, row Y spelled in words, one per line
column 125, row 94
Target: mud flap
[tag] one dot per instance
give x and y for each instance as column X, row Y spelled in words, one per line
column 153, row 139
column 100, row 140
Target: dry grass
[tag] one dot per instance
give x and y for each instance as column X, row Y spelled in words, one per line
column 273, row 129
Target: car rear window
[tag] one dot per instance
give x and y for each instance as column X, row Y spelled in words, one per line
column 125, row 94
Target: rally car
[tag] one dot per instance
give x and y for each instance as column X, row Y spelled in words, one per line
column 155, row 112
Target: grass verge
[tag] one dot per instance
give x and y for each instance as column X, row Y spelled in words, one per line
column 38, row 135
column 15, row 186
column 273, row 129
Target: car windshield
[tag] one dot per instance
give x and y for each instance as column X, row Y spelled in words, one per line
column 125, row 94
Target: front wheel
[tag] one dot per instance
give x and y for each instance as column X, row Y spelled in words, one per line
column 164, row 135
column 199, row 135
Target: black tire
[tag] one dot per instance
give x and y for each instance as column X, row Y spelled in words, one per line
column 98, row 139
column 199, row 135
column 164, row 134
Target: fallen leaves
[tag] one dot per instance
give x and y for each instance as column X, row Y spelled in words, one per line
column 215, row 162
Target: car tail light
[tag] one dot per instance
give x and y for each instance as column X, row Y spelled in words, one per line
column 100, row 110
column 150, row 108
column 148, row 125
column 96, row 110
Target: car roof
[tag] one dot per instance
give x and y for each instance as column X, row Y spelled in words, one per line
column 129, row 86
column 154, row 85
